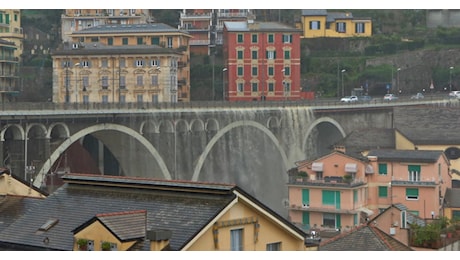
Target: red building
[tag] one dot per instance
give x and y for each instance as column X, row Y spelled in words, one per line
column 262, row 61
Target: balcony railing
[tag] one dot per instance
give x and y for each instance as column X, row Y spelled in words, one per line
column 326, row 181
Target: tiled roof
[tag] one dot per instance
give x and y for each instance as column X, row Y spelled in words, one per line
column 129, row 28
column 428, row 126
column 363, row 238
column 452, row 198
column 14, row 207
column 314, row 12
column 406, row 155
column 259, row 26
column 183, row 207
column 101, row 49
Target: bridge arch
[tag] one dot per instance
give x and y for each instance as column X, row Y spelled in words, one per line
column 226, row 129
column 106, row 126
column 317, row 122
column 15, row 129
column 59, row 130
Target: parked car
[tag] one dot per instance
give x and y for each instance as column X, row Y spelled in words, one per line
column 454, row 94
column 349, row 99
column 365, row 98
column 390, row 97
column 417, row 96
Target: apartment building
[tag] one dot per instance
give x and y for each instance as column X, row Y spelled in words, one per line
column 316, row 23
column 9, row 70
column 338, row 191
column 73, row 20
column 262, row 61
column 11, row 30
column 123, row 64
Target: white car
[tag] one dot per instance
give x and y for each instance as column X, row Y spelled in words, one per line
column 418, row 96
column 390, row 97
column 349, row 99
column 454, row 94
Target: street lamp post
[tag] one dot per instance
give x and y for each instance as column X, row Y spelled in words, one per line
column 223, row 83
column 450, row 78
column 397, row 80
column 343, row 90
column 76, row 82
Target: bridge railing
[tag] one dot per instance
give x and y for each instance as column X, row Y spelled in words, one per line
column 12, row 106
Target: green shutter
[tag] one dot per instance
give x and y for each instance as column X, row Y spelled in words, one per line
column 328, row 197
column 414, row 168
column 411, row 192
column 383, row 191
column 355, row 196
column 383, row 168
column 306, row 196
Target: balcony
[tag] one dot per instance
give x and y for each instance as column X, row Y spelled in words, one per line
column 328, row 181
column 182, row 82
column 425, row 183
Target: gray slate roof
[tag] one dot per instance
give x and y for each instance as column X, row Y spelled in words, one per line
column 437, row 125
column 14, row 207
column 183, row 207
column 129, row 28
column 259, row 26
column 452, row 198
column 416, row 156
column 366, row 139
column 410, row 218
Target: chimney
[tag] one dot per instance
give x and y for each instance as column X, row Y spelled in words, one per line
column 159, row 239
column 339, row 148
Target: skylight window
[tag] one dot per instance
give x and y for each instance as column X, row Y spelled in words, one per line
column 48, row 224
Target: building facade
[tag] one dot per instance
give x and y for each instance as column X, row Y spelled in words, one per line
column 73, row 20
column 345, row 191
column 11, row 30
column 262, row 61
column 123, row 64
column 321, row 23
column 9, row 70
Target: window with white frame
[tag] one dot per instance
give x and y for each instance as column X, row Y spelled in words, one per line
column 287, row 38
column 414, row 172
column 329, row 220
column 170, row 42
column 271, row 55
column 139, row 63
column 85, row 63
column 359, row 27
column 240, row 87
column 341, row 27
column 315, row 25
column 274, row 246
column 236, row 239
column 155, row 62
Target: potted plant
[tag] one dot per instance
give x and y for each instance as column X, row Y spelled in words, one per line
column 347, row 178
column 82, row 243
column 105, row 246
column 301, row 175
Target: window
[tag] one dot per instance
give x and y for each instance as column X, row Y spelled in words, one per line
column 271, row 55
column 140, row 41
column 122, row 62
column 271, row 87
column 355, row 196
column 122, row 82
column 412, row 193
column 414, row 172
column 110, row 41
column 341, row 27
column 287, row 55
column 254, row 87
column 124, row 41
column 240, row 71
column 105, row 99
column 287, row 71
column 359, row 27
column 306, row 220
column 271, row 38
column 254, row 71
column 85, row 99
column 94, row 39
column 331, row 197
column 254, row 38
column 383, row 191
column 85, row 63
column 271, row 71
column 274, row 246
column 155, row 98
column 140, row 80
column 254, row 55
column 383, row 169
column 239, row 38
column 329, row 220
column 139, row 63
column 287, row 87
column 240, row 87
column 287, row 38
column 236, row 239
column 154, row 80
column 105, row 82
column 122, row 99
column 85, row 82
column 403, row 219
column 170, row 42
column 104, row 63
column 240, row 55
column 305, row 197
column 155, row 40
column 155, row 62
column 315, row 25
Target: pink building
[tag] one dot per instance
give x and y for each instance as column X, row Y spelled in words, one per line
column 338, row 191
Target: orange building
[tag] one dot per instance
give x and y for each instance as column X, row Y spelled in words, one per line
column 262, row 61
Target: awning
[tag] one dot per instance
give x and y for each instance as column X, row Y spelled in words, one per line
column 369, row 169
column 351, row 167
column 369, row 212
column 317, row 166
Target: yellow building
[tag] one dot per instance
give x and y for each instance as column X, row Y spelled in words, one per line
column 73, row 20
column 101, row 212
column 123, row 64
column 11, row 30
column 321, row 23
